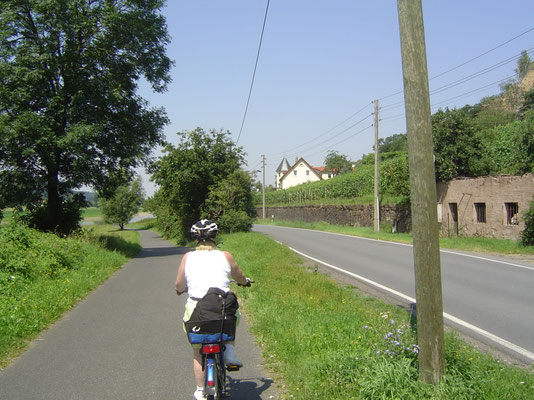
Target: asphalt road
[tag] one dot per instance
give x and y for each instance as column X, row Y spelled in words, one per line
column 488, row 298
column 125, row 341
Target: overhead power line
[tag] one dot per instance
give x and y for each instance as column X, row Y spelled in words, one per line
column 463, row 80
column 468, row 61
column 254, row 73
column 483, row 54
column 337, row 134
column 321, row 135
column 341, row 141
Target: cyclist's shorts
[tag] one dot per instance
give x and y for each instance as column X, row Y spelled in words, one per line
column 189, row 307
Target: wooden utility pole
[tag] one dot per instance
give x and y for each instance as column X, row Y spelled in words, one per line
column 377, row 203
column 423, row 192
column 263, row 184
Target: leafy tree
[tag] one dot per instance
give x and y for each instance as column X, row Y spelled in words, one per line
column 458, row 150
column 69, row 112
column 523, row 65
column 337, row 163
column 124, row 204
column 186, row 174
column 398, row 142
column 527, row 235
column 395, row 176
column 528, row 103
column 233, row 193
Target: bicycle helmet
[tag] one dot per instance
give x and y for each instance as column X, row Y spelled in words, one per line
column 204, row 229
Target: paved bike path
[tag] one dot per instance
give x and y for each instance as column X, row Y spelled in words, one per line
column 124, row 341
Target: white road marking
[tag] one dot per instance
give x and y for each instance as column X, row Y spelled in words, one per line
column 409, row 245
column 513, row 347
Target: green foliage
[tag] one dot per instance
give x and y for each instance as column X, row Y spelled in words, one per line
column 395, row 176
column 124, row 204
column 527, row 235
column 332, row 342
column 511, row 147
column 394, row 181
column 232, row 193
column 337, row 163
column 42, row 276
column 30, row 255
column 398, row 142
column 186, row 174
column 523, row 65
column 235, row 221
column 70, row 113
column 70, row 214
column 528, row 103
column 458, row 150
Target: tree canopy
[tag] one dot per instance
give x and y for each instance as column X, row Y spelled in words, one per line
column 199, row 177
column 124, row 204
column 398, row 142
column 337, row 163
column 70, row 114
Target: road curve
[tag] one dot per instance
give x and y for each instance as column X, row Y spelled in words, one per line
column 489, row 298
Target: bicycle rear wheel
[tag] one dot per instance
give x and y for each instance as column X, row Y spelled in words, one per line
column 221, row 376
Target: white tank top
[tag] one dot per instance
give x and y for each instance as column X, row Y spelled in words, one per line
column 205, row 269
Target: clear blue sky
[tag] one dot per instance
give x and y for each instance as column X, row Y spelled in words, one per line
column 320, row 63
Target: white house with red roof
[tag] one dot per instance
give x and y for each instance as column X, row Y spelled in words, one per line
column 287, row 176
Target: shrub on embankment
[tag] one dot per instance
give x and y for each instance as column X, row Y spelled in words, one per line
column 327, row 341
column 43, row 275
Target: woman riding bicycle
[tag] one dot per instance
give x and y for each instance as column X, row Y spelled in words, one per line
column 200, row 270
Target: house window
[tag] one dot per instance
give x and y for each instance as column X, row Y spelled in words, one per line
column 512, row 213
column 480, row 210
column 307, row 172
column 295, row 172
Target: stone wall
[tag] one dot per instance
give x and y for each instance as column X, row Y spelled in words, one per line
column 398, row 216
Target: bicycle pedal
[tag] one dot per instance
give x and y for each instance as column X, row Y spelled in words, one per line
column 232, row 368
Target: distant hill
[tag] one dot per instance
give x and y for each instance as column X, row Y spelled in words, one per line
column 90, row 197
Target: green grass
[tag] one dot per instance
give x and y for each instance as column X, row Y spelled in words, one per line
column 148, row 224
column 42, row 276
column 475, row 244
column 326, row 341
column 8, row 215
column 92, row 212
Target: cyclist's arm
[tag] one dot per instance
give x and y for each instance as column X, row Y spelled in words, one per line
column 237, row 274
column 181, row 284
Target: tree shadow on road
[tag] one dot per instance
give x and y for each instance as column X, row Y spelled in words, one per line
column 248, row 388
column 162, row 251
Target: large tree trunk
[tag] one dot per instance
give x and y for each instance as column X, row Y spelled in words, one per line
column 53, row 220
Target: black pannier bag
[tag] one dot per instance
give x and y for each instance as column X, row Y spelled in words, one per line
column 214, row 318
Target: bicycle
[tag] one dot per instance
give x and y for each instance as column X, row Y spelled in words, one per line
column 212, row 350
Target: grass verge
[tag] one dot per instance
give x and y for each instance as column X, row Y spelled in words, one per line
column 475, row 244
column 42, row 276
column 328, row 342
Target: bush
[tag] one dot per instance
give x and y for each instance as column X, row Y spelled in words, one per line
column 234, row 221
column 70, row 216
column 27, row 253
column 527, row 236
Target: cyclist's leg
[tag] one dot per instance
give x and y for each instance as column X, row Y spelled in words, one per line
column 229, row 355
column 197, row 367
